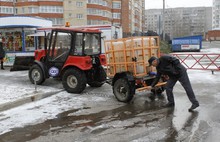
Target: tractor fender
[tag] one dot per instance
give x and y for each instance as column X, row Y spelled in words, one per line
column 69, row 67
column 41, row 65
column 128, row 76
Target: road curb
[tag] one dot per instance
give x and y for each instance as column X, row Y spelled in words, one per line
column 34, row 97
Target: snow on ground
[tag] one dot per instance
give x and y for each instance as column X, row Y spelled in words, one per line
column 198, row 76
column 39, row 111
column 48, row 108
column 211, row 50
column 12, row 90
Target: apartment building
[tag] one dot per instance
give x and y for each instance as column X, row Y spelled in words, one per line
column 216, row 14
column 126, row 13
column 77, row 15
column 180, row 21
column 153, row 20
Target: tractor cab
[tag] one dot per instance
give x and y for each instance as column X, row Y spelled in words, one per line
column 69, row 51
column 66, row 46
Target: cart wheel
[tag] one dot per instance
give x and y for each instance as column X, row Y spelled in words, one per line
column 36, row 74
column 122, row 90
column 74, row 81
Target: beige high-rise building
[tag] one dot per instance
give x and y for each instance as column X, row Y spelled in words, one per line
column 125, row 13
column 132, row 17
column 75, row 12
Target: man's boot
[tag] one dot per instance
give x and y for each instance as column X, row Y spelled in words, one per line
column 2, row 65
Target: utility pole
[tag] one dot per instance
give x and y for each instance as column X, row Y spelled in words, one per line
column 14, row 11
column 159, row 25
column 163, row 30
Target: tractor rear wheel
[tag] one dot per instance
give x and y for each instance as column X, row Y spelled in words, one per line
column 122, row 90
column 74, row 81
column 36, row 74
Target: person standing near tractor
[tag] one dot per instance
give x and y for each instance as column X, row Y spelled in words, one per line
column 2, row 54
column 171, row 67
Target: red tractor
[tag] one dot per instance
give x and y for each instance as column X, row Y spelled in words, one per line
column 71, row 54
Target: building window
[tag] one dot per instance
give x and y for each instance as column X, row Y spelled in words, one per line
column 7, row 0
column 79, row 4
column 104, row 3
column 95, row 1
column 16, row 11
column 116, row 5
column 79, row 16
column 99, row 2
column 107, row 14
column 23, row 10
column 32, row 9
column 51, row 9
column 95, row 22
column 93, row 11
column 57, row 21
column 6, row 10
column 116, row 15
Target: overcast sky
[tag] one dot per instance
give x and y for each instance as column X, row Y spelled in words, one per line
column 151, row 4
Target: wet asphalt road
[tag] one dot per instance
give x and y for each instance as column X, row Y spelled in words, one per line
column 142, row 120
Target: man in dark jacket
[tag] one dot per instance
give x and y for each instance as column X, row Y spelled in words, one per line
column 171, row 67
column 2, row 54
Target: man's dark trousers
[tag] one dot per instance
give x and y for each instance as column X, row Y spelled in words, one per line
column 184, row 80
column 1, row 60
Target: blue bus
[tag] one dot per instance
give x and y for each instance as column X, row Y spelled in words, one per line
column 188, row 43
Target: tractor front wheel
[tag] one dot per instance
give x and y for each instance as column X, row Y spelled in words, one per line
column 74, row 81
column 36, row 75
column 122, row 90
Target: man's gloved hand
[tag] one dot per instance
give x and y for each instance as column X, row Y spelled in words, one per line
column 165, row 77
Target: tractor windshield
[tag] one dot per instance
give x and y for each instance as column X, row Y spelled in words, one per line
column 92, row 44
column 87, row 44
column 61, row 43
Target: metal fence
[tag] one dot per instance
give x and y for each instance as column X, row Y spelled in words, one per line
column 199, row 61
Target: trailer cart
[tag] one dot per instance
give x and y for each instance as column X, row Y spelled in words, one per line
column 127, row 65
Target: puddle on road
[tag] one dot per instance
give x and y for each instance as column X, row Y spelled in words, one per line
column 151, row 112
column 64, row 120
